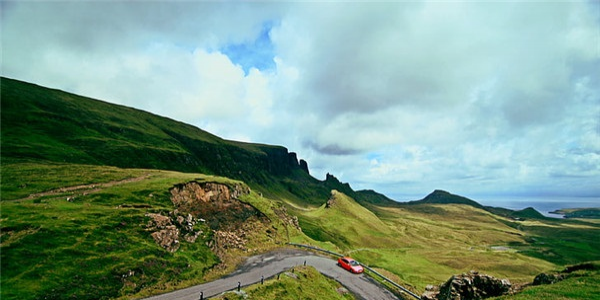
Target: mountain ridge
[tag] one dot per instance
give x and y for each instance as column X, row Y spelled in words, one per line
column 47, row 124
column 43, row 123
column 136, row 238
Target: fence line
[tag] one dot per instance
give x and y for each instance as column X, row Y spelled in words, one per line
column 364, row 266
column 241, row 285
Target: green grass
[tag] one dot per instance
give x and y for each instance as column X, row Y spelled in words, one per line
column 53, row 248
column 88, row 248
column 427, row 243
column 559, row 241
column 580, row 284
column 346, row 224
column 303, row 283
column 22, row 178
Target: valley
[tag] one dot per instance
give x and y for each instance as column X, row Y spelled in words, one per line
column 91, row 209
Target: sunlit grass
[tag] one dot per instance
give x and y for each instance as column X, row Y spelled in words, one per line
column 303, row 283
column 83, row 248
column 55, row 247
column 426, row 244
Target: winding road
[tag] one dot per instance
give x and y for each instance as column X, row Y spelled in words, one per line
column 272, row 263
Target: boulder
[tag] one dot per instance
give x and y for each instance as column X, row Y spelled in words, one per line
column 544, row 278
column 167, row 231
column 167, row 238
column 468, row 286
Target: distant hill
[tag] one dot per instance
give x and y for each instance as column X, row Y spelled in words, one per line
column 527, row 213
column 443, row 197
column 586, row 213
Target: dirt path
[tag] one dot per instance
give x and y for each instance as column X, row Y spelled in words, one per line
column 273, row 263
column 89, row 188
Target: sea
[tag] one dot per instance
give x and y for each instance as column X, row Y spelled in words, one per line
column 544, row 205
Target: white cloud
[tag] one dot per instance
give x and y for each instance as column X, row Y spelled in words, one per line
column 399, row 97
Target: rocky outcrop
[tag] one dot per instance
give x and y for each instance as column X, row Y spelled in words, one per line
column 545, row 278
column 304, row 166
column 217, row 203
column 168, row 231
column 229, row 223
column 288, row 219
column 468, row 286
column 331, row 202
column 190, row 195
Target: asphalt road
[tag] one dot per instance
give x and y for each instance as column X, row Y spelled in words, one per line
column 270, row 264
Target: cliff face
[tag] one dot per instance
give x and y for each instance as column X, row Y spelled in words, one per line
column 247, row 162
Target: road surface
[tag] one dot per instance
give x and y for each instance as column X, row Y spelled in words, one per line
column 272, row 263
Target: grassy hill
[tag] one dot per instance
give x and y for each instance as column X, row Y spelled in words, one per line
column 443, row 197
column 344, row 222
column 50, row 125
column 80, row 179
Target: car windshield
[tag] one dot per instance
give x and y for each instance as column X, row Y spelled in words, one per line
column 354, row 263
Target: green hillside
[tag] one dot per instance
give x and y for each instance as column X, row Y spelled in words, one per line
column 86, row 184
column 50, row 125
column 345, row 223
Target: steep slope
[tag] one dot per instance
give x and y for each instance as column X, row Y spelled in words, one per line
column 45, row 124
column 50, row 125
column 344, row 222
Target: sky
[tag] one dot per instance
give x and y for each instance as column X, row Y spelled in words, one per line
column 481, row 99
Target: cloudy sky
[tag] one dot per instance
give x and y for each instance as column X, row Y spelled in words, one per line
column 481, row 99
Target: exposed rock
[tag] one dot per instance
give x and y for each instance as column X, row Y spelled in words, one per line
column 282, row 213
column 231, row 221
column 234, row 237
column 343, row 291
column 217, row 203
column 167, row 231
column 230, row 239
column 304, row 166
column 468, row 286
column 544, row 278
column 332, row 200
column 583, row 266
column 157, row 221
column 167, row 238
column 184, row 196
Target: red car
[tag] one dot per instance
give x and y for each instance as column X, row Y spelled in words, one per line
column 350, row 265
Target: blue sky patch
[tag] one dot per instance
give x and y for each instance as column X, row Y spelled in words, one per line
column 255, row 54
